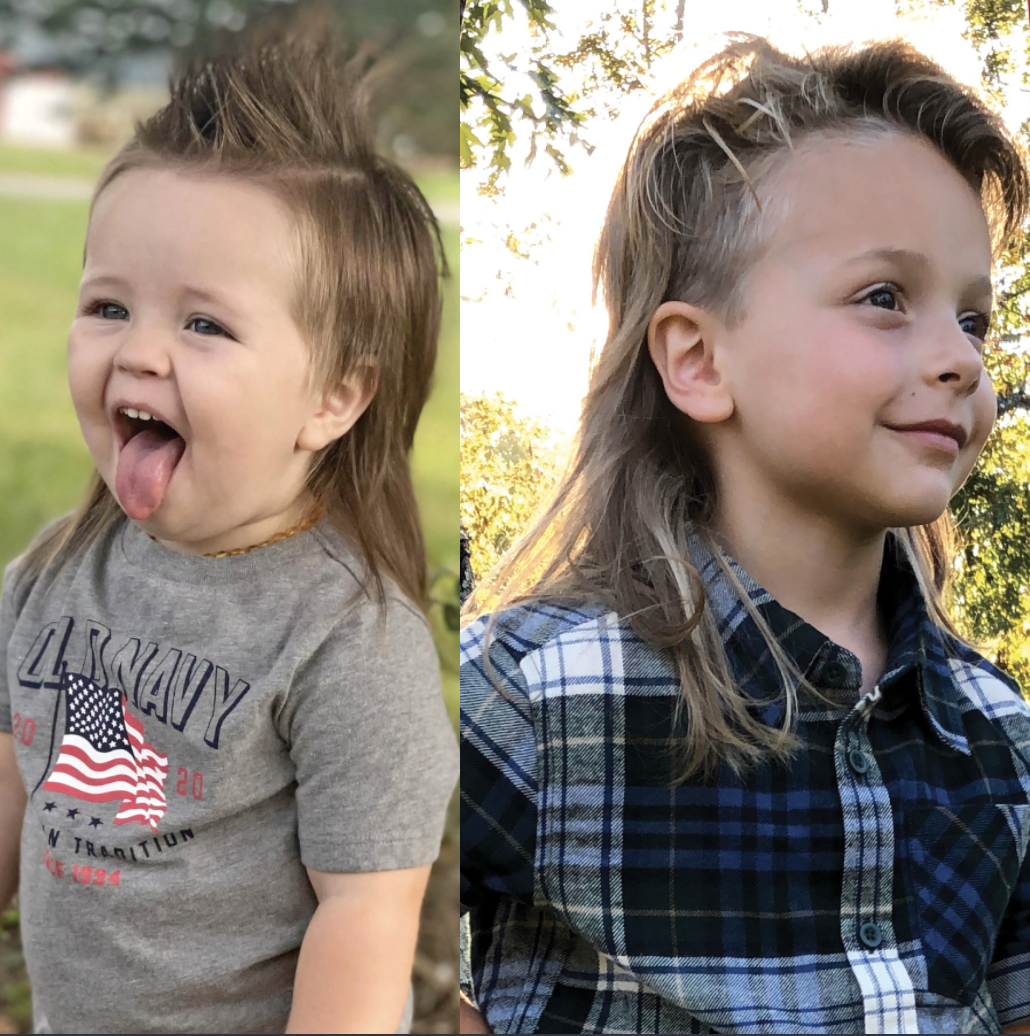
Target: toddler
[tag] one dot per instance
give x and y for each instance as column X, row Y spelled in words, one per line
column 727, row 766
column 225, row 758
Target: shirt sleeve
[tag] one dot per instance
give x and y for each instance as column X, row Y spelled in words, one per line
column 374, row 749
column 1008, row 977
column 7, row 620
column 498, row 774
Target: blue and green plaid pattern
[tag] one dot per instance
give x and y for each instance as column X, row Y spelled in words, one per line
column 880, row 883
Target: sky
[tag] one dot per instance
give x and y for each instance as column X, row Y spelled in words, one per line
column 527, row 325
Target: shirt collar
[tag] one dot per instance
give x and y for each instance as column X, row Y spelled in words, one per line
column 917, row 648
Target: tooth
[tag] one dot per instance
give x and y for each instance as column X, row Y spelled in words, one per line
column 144, row 416
column 130, row 412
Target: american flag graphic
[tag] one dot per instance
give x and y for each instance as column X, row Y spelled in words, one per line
column 104, row 757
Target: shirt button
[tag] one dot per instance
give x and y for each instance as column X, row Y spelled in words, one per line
column 859, row 760
column 834, row 674
column 871, row 935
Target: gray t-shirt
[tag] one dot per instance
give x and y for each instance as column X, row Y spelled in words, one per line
column 192, row 733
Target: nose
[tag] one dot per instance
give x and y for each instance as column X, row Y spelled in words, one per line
column 954, row 360
column 142, row 353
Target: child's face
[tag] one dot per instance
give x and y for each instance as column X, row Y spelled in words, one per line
column 184, row 313
column 864, row 315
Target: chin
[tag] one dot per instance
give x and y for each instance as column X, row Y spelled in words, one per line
column 921, row 513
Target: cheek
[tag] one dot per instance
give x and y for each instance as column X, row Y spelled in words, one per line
column 85, row 373
column 864, row 373
column 985, row 409
column 826, row 379
column 243, row 424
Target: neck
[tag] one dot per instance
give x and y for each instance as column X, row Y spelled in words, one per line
column 827, row 575
column 249, row 535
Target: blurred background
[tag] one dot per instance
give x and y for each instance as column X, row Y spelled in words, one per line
column 551, row 94
column 74, row 77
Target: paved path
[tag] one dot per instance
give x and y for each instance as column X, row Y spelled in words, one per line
column 61, row 188
column 66, row 188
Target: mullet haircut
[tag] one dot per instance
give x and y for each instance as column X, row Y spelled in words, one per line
column 287, row 110
column 685, row 223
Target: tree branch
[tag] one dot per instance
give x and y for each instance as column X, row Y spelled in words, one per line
column 1013, row 401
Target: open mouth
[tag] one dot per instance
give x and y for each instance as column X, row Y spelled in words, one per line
column 130, row 422
column 150, row 450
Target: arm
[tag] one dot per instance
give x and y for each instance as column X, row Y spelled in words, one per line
column 355, row 962
column 12, row 811
column 498, row 821
column 1019, row 1027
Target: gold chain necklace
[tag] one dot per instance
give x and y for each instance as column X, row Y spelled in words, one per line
column 295, row 530
column 302, row 526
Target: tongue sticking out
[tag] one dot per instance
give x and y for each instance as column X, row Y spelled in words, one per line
column 145, row 468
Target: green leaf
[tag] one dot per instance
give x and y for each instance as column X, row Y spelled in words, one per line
column 466, row 140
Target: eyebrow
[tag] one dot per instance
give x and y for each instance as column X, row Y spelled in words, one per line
column 96, row 282
column 214, row 298
column 979, row 285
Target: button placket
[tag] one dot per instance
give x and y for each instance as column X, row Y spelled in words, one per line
column 858, row 760
column 866, row 923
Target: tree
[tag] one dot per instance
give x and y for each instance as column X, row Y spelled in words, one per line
column 991, row 598
column 490, row 109
column 992, row 588
column 991, row 25
column 94, row 37
column 507, row 466
column 617, row 48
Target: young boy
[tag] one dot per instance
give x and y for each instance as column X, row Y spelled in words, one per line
column 224, row 756
column 726, row 765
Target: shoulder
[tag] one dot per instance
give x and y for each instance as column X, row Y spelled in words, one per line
column 333, row 562
column 376, row 638
column 16, row 585
column 348, row 638
column 547, row 650
column 518, row 634
column 20, row 576
column 373, row 670
column 984, row 686
column 340, row 598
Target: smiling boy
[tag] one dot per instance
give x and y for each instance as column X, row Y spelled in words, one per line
column 850, row 395
column 727, row 765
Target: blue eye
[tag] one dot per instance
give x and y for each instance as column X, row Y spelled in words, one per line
column 884, row 297
column 113, row 311
column 103, row 310
column 213, row 328
column 976, row 324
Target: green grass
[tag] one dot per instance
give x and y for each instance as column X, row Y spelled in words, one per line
column 438, row 186
column 44, row 465
column 78, row 162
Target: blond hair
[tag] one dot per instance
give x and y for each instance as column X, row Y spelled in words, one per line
column 684, row 223
column 286, row 110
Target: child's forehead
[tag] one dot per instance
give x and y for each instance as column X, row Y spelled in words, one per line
column 214, row 217
column 847, row 196
column 159, row 240
column 205, row 193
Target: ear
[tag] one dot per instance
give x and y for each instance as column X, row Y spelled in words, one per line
column 339, row 408
column 681, row 340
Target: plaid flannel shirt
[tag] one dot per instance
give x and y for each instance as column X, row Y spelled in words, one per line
column 880, row 883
